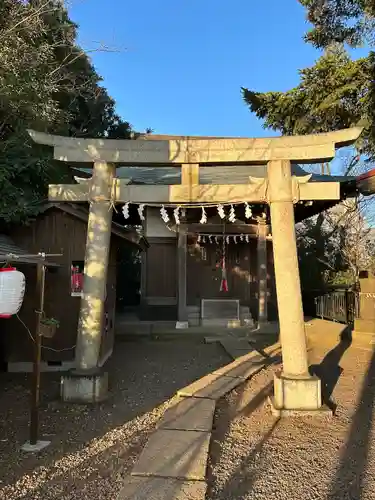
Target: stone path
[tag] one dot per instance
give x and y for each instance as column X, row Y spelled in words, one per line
column 173, row 463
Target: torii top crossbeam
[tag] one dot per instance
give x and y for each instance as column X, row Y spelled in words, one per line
column 203, row 150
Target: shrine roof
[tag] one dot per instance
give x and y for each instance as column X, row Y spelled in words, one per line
column 220, row 174
column 82, row 213
column 20, row 255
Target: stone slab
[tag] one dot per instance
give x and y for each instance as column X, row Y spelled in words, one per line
column 237, row 347
column 218, row 388
column 243, row 370
column 211, row 387
column 174, row 454
column 191, row 389
column 156, row 488
column 247, row 357
column 212, row 339
column 238, row 343
column 189, row 414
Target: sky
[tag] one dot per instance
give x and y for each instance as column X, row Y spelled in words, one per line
column 178, row 66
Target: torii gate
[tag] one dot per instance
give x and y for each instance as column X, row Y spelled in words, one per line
column 295, row 389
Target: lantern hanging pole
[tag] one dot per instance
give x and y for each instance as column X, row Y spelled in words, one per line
column 14, row 257
column 34, row 444
column 35, row 388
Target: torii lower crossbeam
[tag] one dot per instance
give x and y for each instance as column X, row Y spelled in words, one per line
column 220, row 193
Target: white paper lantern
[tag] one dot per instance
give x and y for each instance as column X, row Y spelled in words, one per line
column 12, row 291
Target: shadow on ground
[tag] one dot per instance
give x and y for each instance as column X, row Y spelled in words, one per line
column 329, row 370
column 255, row 456
column 349, row 479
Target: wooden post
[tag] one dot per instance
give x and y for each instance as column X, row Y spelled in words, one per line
column 34, row 444
column 189, row 178
column 262, row 271
column 35, row 391
column 96, row 267
column 182, row 317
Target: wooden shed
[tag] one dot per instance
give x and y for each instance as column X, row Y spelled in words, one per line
column 60, row 228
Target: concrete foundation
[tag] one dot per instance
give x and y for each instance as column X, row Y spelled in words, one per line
column 322, row 412
column 80, row 386
column 27, row 367
column 35, row 448
column 297, row 393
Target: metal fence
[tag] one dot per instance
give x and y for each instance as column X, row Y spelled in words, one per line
column 341, row 305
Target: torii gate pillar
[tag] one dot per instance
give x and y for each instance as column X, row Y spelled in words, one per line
column 294, row 389
column 88, row 383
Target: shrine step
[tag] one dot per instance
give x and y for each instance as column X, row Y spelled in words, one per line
column 364, row 325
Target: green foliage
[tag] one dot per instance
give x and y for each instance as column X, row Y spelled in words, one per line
column 51, row 322
column 47, row 83
column 337, row 92
column 333, row 94
column 349, row 21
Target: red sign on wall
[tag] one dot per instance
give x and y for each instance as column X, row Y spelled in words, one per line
column 76, row 279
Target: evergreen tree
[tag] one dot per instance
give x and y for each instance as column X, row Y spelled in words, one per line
column 333, row 94
column 48, row 83
column 337, row 92
column 349, row 21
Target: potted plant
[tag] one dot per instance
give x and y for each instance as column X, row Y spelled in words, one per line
column 48, row 327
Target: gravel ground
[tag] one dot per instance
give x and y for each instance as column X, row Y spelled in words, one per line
column 256, row 456
column 93, row 448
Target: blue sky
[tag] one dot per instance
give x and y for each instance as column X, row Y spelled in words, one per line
column 179, row 65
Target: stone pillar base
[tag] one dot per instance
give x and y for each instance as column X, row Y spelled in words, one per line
column 297, row 396
column 84, row 386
